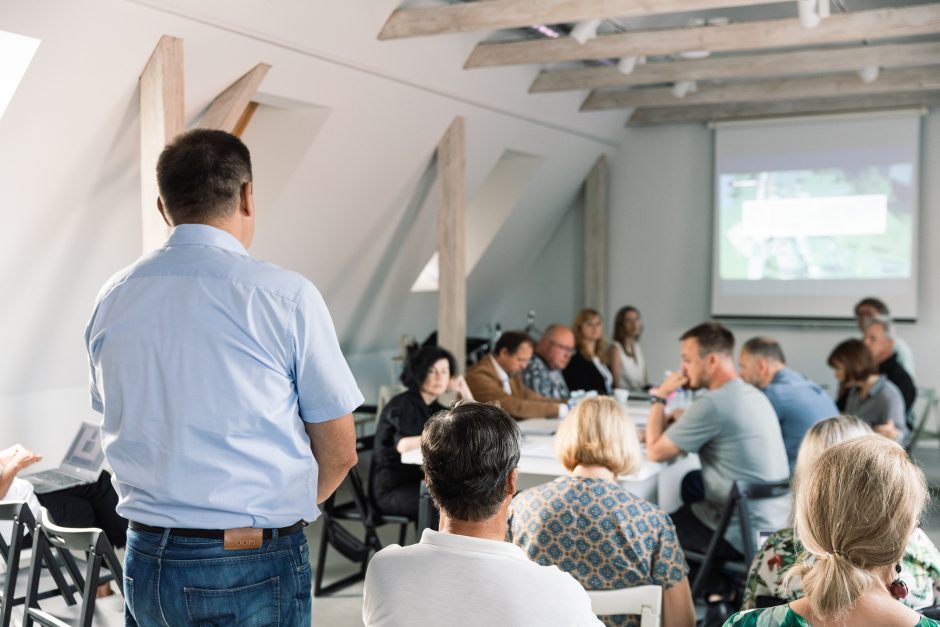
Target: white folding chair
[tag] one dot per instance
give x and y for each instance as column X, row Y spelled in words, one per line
column 647, row 601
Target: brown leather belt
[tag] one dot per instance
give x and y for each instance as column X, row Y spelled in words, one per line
column 213, row 534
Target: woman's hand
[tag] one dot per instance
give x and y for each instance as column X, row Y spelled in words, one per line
column 459, row 385
column 17, row 458
column 888, row 430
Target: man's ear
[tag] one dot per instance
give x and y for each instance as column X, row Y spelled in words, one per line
column 247, row 200
column 511, row 482
column 162, row 211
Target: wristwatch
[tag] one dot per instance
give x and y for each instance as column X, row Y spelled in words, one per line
column 657, row 399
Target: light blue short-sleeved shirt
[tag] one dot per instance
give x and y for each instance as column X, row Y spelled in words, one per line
column 205, row 363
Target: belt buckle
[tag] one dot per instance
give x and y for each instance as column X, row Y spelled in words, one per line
column 242, row 538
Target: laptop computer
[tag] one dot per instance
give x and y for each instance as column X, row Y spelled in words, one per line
column 81, row 464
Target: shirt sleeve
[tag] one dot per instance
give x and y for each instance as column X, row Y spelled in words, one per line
column 696, row 427
column 668, row 561
column 325, row 386
column 93, row 389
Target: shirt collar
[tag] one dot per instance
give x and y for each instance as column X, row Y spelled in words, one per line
column 204, row 235
column 470, row 544
column 499, row 370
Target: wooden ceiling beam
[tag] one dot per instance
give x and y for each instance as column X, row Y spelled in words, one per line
column 499, row 14
column 817, row 61
column 745, row 111
column 229, row 107
column 856, row 26
column 830, row 86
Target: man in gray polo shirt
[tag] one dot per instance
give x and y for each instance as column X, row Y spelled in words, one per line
column 734, row 430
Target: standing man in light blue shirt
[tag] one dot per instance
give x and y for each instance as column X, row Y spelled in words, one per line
column 227, row 405
column 799, row 402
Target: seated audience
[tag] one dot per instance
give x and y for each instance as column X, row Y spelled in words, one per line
column 88, row 505
column 734, row 430
column 767, row 582
column 620, row 540
column 879, row 339
column 466, row 573
column 868, row 395
column 586, row 371
column 496, row 378
column 870, row 307
column 854, row 514
column 799, row 402
column 552, row 354
column 430, row 372
column 625, row 355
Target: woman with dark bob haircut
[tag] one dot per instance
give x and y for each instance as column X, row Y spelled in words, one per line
column 430, row 372
column 868, row 395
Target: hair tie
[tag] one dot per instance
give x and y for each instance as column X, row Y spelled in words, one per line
column 831, row 554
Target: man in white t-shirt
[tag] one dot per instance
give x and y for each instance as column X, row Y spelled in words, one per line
column 466, row 573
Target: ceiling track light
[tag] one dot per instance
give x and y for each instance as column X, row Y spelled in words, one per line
column 626, row 65
column 869, row 74
column 585, row 31
column 682, row 88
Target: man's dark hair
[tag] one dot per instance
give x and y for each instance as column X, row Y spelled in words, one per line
column 200, row 176
column 712, row 337
column 469, row 452
column 511, row 341
column 875, row 303
column 765, row 347
column 854, row 358
column 420, row 364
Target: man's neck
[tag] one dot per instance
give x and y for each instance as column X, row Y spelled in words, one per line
column 493, row 528
column 722, row 375
column 772, row 370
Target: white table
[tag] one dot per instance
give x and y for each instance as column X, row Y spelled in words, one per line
column 657, row 482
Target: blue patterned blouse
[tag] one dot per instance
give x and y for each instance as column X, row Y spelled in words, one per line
column 603, row 535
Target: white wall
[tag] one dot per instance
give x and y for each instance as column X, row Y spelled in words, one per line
column 338, row 209
column 661, row 208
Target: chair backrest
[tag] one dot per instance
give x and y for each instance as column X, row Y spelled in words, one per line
column 924, row 403
column 386, row 393
column 741, row 494
column 21, row 517
column 647, row 601
column 97, row 548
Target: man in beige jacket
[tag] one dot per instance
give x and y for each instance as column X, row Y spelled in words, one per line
column 496, row 378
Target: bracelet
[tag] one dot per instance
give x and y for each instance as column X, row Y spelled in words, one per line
column 657, row 399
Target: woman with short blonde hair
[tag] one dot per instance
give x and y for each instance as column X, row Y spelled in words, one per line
column 855, row 510
column 588, row 525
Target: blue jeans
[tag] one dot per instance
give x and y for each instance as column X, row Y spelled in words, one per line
column 171, row 581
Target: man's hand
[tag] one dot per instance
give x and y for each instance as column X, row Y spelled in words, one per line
column 887, row 429
column 673, row 382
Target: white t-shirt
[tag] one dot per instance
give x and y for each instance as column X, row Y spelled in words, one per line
column 461, row 581
column 20, row 490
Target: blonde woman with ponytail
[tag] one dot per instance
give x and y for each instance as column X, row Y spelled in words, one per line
column 769, row 581
column 855, row 510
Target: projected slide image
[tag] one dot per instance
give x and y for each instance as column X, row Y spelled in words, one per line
column 817, row 224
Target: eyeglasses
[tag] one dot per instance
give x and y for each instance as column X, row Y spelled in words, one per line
column 568, row 350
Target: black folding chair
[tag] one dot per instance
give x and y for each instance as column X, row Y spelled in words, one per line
column 742, row 492
column 352, row 547
column 21, row 518
column 97, row 549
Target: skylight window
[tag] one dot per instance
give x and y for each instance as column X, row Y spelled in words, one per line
column 16, row 51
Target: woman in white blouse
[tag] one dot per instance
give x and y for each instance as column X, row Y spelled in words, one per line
column 625, row 356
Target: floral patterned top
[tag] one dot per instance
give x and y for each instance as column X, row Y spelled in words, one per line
column 604, row 536
column 920, row 569
column 783, row 616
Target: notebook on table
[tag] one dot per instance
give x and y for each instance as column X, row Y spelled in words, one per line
column 81, row 464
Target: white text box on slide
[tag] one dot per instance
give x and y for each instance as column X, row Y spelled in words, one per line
column 808, row 217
